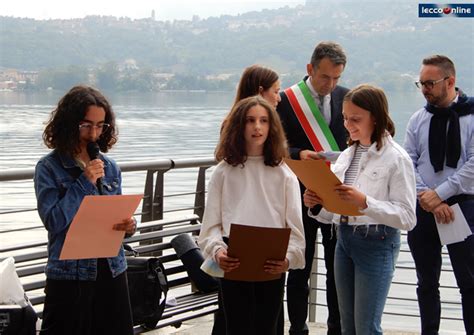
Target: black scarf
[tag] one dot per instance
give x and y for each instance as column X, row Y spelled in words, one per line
column 448, row 144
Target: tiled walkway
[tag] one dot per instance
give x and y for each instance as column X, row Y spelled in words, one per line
column 203, row 326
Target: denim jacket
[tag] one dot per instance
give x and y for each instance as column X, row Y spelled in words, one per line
column 60, row 186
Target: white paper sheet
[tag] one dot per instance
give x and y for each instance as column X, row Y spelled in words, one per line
column 330, row 156
column 456, row 231
column 210, row 267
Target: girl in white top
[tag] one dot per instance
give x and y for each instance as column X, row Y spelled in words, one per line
column 379, row 179
column 252, row 186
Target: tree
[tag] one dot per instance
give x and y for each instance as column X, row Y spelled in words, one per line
column 107, row 76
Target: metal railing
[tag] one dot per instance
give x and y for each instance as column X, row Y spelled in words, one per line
column 402, row 300
column 153, row 208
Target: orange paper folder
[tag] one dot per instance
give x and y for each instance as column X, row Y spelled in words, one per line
column 90, row 234
column 318, row 177
column 253, row 246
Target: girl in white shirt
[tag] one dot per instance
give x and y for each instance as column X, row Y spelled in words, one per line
column 252, row 186
column 378, row 177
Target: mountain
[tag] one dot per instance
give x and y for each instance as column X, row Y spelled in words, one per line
column 384, row 41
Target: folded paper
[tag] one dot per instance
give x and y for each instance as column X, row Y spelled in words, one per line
column 456, row 231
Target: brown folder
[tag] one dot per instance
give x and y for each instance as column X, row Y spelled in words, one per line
column 253, row 246
column 318, row 177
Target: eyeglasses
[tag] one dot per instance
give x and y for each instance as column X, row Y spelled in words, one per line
column 429, row 83
column 87, row 127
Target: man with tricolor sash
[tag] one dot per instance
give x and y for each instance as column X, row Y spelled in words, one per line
column 311, row 113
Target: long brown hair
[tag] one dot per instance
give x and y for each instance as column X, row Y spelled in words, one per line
column 373, row 100
column 62, row 129
column 253, row 79
column 232, row 147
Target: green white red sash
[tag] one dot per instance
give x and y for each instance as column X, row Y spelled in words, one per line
column 310, row 118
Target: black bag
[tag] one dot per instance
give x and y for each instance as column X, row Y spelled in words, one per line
column 15, row 320
column 147, row 285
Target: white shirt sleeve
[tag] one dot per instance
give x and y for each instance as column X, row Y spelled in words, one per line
column 210, row 237
column 323, row 216
column 296, row 245
column 411, row 148
column 462, row 181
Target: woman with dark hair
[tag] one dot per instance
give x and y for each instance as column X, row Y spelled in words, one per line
column 84, row 296
column 378, row 177
column 259, row 80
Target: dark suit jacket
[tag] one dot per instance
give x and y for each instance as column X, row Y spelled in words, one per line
column 295, row 134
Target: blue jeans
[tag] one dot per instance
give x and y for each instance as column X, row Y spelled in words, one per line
column 364, row 263
column 425, row 247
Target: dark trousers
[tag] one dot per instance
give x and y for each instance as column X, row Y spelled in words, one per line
column 88, row 307
column 425, row 247
column 219, row 328
column 252, row 308
column 297, row 290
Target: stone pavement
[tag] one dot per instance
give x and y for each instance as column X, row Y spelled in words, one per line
column 203, row 326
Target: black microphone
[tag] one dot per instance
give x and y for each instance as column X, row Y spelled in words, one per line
column 93, row 152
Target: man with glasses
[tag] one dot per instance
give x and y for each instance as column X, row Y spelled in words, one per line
column 440, row 141
column 311, row 114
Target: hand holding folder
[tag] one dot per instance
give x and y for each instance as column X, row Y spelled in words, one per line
column 91, row 233
column 253, row 246
column 318, row 177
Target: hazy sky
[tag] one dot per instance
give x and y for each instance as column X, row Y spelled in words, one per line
column 135, row 9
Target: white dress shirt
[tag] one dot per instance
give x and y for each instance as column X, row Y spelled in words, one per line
column 450, row 181
column 326, row 103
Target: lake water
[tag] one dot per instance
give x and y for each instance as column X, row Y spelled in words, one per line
column 151, row 126
column 166, row 125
